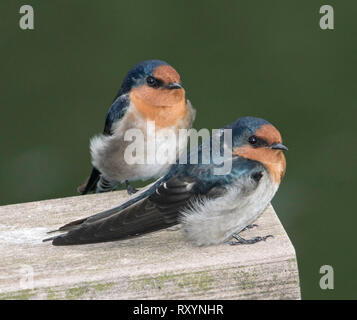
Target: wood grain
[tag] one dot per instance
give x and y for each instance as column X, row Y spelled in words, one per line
column 161, row 265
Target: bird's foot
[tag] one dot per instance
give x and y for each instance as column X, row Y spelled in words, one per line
column 240, row 240
column 129, row 188
column 251, row 226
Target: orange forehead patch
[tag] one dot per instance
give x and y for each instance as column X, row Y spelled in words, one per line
column 269, row 133
column 167, row 74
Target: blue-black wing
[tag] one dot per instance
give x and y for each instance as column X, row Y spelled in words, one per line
column 115, row 113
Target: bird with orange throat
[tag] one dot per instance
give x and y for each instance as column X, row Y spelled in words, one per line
column 151, row 98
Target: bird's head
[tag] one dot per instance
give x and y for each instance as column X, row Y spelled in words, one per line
column 257, row 139
column 155, row 83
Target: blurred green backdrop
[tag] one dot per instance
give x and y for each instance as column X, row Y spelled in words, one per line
column 263, row 58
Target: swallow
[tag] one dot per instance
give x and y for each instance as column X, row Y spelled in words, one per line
column 151, row 91
column 212, row 209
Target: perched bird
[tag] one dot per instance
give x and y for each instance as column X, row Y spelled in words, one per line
column 212, row 208
column 151, row 91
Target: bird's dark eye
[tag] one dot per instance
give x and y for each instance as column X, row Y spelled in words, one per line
column 257, row 176
column 252, row 139
column 151, row 81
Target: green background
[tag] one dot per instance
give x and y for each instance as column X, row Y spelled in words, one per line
column 263, row 58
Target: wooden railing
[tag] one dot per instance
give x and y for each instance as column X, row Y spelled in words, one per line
column 161, row 265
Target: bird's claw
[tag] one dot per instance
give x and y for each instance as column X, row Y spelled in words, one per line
column 250, row 226
column 240, row 240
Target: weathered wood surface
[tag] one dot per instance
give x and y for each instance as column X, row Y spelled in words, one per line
column 161, row 265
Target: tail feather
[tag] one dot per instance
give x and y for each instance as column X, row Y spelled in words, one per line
column 91, row 183
column 140, row 218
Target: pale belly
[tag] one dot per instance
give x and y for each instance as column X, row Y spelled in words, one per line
column 120, row 160
column 110, row 153
column 214, row 221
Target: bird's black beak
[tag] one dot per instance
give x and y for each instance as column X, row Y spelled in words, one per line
column 174, row 85
column 278, row 146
